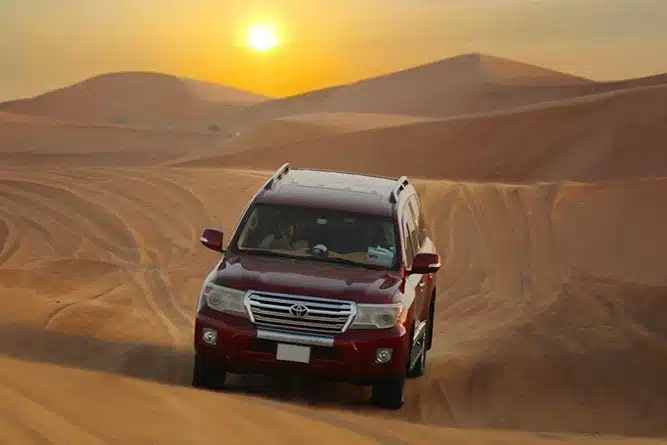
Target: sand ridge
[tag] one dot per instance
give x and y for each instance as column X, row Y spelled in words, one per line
column 138, row 98
column 550, row 299
column 599, row 137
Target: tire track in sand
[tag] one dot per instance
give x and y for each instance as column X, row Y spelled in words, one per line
column 67, row 306
column 147, row 285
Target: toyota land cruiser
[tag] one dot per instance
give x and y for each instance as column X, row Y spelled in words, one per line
column 327, row 274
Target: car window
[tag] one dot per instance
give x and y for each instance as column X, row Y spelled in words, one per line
column 414, row 216
column 409, row 234
column 418, row 215
column 321, row 234
column 407, row 242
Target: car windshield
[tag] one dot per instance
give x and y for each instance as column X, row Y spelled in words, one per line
column 320, row 234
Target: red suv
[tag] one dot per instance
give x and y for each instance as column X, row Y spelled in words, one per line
column 327, row 274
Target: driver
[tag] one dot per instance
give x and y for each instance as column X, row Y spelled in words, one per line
column 284, row 238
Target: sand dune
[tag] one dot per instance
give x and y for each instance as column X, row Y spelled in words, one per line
column 300, row 128
column 606, row 136
column 465, row 84
column 539, row 296
column 273, row 132
column 470, row 84
column 542, row 325
column 264, row 134
column 26, row 140
column 451, row 86
column 550, row 301
column 138, row 98
column 23, row 119
column 214, row 92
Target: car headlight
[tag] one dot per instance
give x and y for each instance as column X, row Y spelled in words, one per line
column 377, row 316
column 225, row 299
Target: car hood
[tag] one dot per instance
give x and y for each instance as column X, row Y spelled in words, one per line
column 295, row 276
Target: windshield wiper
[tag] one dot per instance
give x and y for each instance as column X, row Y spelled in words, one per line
column 346, row 261
column 336, row 260
column 268, row 252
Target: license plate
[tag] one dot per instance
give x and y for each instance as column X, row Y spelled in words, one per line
column 293, row 353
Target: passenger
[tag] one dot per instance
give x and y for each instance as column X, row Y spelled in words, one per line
column 284, row 238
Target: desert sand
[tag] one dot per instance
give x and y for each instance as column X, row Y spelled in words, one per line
column 545, row 201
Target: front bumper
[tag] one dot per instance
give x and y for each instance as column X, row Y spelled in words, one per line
column 348, row 357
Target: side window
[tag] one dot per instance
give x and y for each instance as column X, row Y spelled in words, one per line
column 415, row 215
column 409, row 235
column 407, row 242
column 422, row 221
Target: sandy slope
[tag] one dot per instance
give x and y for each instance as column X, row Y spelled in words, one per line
column 65, row 144
column 31, row 140
column 542, row 324
column 550, row 303
column 300, row 128
column 465, row 84
column 140, row 99
column 16, row 118
column 605, row 136
column 348, row 122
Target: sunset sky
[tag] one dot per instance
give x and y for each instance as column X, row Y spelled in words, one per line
column 50, row 43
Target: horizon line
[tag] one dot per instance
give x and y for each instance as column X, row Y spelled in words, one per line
column 326, row 87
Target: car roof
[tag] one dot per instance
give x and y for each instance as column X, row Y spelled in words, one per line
column 345, row 191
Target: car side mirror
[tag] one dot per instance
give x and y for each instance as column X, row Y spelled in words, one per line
column 212, row 238
column 424, row 263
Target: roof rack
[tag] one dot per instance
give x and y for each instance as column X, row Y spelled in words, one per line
column 277, row 176
column 401, row 183
column 348, row 172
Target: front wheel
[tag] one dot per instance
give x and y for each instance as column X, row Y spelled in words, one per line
column 419, row 349
column 208, row 374
column 419, row 368
column 388, row 393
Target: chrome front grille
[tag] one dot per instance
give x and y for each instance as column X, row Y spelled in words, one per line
column 287, row 313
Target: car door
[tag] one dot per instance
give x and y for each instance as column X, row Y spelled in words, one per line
column 424, row 244
column 415, row 283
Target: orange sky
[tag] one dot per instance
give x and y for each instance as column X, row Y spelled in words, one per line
column 45, row 43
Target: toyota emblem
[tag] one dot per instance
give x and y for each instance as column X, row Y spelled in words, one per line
column 298, row 310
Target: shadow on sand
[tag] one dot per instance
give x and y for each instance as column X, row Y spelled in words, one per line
column 633, row 378
column 163, row 364
column 172, row 365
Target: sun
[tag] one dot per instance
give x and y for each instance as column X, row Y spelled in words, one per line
column 262, row 38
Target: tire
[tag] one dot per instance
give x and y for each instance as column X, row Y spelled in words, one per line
column 388, row 394
column 208, row 374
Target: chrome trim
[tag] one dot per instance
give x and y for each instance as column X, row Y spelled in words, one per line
column 320, row 311
column 399, row 186
column 278, row 175
column 415, row 354
column 419, row 330
column 301, row 339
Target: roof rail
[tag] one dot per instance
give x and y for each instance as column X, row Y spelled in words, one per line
column 401, row 183
column 277, row 176
column 347, row 172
